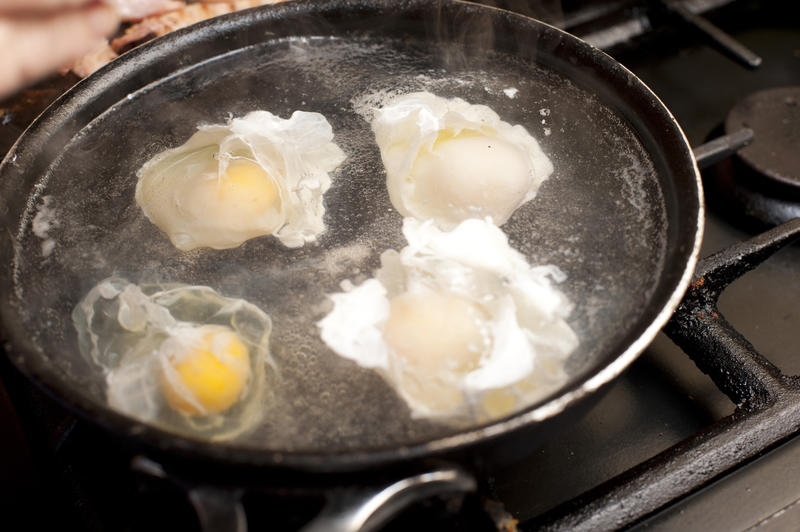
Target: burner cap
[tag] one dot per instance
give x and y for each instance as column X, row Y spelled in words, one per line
column 759, row 187
column 774, row 117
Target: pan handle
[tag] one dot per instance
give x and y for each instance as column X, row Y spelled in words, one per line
column 217, row 509
column 367, row 509
column 362, row 509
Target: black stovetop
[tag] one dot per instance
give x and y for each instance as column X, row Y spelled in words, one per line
column 62, row 472
column 663, row 398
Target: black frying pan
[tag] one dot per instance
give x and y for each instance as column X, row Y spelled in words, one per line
column 621, row 216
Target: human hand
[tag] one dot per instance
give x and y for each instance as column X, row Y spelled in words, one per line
column 38, row 37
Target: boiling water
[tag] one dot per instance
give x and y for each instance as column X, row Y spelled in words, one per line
column 598, row 218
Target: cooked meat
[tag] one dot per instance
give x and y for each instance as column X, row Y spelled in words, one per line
column 139, row 9
column 156, row 25
column 101, row 55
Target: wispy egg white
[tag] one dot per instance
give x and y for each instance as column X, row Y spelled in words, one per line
column 457, row 322
column 449, row 160
column 253, row 176
column 181, row 357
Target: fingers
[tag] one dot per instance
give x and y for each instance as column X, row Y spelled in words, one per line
column 35, row 6
column 32, row 47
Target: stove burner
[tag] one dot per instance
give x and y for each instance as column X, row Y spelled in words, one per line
column 761, row 185
column 774, row 117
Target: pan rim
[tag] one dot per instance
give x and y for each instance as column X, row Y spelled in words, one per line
column 349, row 460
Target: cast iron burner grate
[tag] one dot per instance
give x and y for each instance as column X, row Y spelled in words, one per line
column 768, row 403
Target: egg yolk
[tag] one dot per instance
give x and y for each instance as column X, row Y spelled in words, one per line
column 243, row 193
column 247, row 186
column 211, row 374
column 436, row 331
column 440, row 337
column 470, row 175
column 498, row 403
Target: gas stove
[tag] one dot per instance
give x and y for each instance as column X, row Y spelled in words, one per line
column 656, row 409
column 669, row 446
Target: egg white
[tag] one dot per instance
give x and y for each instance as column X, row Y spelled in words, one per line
column 520, row 338
column 449, row 160
column 134, row 333
column 180, row 191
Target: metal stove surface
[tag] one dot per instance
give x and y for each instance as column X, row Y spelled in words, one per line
column 83, row 479
column 664, row 398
